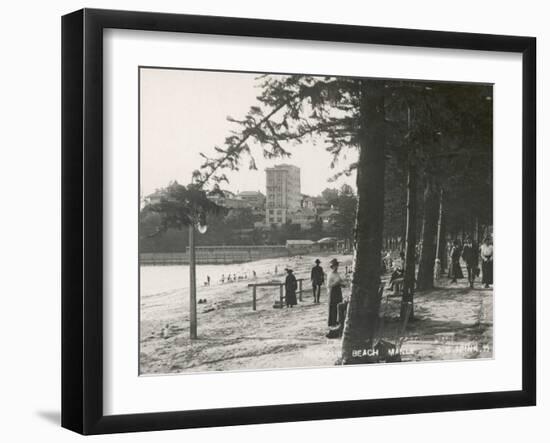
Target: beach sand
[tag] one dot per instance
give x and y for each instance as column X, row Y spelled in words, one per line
column 451, row 322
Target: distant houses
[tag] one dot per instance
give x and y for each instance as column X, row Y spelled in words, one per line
column 282, row 213
column 230, row 200
column 305, row 217
column 152, row 198
column 328, row 217
column 328, row 244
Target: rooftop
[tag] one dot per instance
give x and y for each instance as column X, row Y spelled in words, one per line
column 250, row 193
column 299, row 242
column 327, row 240
column 283, row 166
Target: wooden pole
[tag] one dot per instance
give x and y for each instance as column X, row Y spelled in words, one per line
column 281, row 295
column 300, row 289
column 192, row 285
column 253, row 298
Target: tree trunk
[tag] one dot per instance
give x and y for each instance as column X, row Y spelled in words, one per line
column 441, row 247
column 410, row 243
column 443, row 253
column 361, row 323
column 429, row 228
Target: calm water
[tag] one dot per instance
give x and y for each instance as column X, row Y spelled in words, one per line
column 159, row 279
column 162, row 279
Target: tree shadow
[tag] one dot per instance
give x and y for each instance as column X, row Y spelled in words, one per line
column 428, row 327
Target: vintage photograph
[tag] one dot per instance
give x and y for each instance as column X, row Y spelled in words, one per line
column 298, row 220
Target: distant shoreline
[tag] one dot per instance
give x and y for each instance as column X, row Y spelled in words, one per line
column 219, row 255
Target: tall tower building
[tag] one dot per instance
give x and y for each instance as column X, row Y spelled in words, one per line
column 282, row 193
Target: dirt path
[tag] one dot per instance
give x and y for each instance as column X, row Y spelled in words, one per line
column 451, row 322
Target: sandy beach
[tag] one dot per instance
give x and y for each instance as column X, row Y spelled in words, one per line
column 451, row 322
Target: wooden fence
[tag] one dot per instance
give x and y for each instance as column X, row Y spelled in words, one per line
column 215, row 255
column 281, row 287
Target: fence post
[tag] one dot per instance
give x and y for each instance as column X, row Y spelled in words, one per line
column 253, row 298
column 281, row 294
column 300, row 289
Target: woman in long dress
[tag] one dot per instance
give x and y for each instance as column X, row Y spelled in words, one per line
column 335, row 283
column 290, row 289
column 486, row 252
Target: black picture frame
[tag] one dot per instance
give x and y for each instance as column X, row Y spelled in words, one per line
column 82, row 218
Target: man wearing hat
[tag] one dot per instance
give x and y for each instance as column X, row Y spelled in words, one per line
column 317, row 280
column 335, row 283
column 470, row 257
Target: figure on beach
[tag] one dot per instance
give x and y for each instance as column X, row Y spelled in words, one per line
column 486, row 252
column 387, row 263
column 398, row 269
column 455, row 271
column 335, row 283
column 470, row 257
column 317, row 280
column 290, row 289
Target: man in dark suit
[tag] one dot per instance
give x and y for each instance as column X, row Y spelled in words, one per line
column 317, row 280
column 470, row 256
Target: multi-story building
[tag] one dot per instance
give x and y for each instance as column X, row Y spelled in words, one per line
column 282, row 193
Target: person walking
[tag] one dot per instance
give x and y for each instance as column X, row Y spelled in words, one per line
column 335, row 283
column 317, row 280
column 455, row 270
column 290, row 289
column 470, row 257
column 486, row 252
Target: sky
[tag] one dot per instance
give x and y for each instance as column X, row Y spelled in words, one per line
column 184, row 113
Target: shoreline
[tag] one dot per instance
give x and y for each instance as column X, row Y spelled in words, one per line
column 453, row 322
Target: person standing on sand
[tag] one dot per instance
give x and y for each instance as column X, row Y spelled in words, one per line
column 456, row 270
column 398, row 267
column 317, row 280
column 290, row 289
column 486, row 252
column 335, row 283
column 469, row 255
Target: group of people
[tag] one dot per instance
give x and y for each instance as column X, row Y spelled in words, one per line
column 334, row 282
column 471, row 256
column 231, row 278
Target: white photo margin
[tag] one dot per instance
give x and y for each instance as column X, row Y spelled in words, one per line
column 125, row 392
